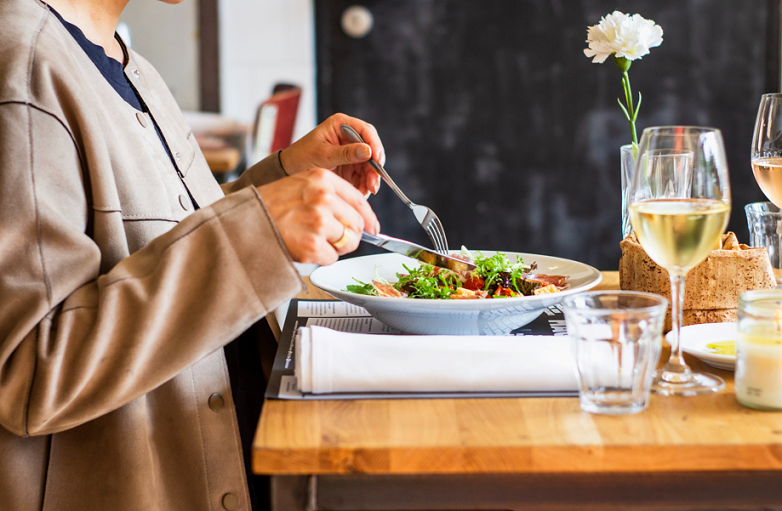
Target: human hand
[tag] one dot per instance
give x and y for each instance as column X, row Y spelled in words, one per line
column 326, row 147
column 314, row 210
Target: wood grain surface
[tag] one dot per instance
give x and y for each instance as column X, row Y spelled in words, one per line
column 222, row 160
column 520, row 435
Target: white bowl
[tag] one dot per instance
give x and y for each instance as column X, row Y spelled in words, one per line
column 452, row 317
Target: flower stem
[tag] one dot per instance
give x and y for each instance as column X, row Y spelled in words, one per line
column 630, row 113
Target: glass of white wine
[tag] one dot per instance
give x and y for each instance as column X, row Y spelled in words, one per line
column 767, row 147
column 678, row 222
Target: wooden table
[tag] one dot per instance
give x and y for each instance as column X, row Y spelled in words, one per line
column 524, row 453
column 224, row 152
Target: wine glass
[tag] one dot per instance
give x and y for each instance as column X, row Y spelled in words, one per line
column 763, row 219
column 678, row 215
column 767, row 147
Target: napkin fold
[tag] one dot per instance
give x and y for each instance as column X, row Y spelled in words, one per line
column 328, row 361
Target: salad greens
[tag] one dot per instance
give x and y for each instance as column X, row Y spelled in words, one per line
column 363, row 289
column 494, row 277
column 424, row 282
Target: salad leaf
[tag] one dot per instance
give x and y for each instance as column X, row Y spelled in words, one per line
column 497, row 270
column 490, row 267
column 363, row 289
column 424, row 282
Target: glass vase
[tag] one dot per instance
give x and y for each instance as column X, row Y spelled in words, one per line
column 628, row 167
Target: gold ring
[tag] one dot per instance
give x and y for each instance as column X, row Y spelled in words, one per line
column 344, row 239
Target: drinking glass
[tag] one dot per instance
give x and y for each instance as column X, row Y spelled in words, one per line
column 674, row 170
column 767, row 147
column 616, row 336
column 678, row 224
column 764, row 220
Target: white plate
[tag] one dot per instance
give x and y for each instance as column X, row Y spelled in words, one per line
column 453, row 317
column 695, row 339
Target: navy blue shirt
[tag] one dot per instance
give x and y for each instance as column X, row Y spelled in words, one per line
column 112, row 70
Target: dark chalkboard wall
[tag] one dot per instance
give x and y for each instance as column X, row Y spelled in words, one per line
column 491, row 114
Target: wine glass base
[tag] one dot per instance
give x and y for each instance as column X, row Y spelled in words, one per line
column 689, row 384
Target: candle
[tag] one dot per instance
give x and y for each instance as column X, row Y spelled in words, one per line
column 758, row 380
column 759, row 370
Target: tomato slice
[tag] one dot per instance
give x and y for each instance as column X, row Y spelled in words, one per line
column 474, row 282
column 504, row 291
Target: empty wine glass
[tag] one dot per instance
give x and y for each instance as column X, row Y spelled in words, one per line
column 678, row 215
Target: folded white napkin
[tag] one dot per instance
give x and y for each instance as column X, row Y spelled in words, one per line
column 330, row 361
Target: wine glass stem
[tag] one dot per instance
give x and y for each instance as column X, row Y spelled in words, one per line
column 676, row 362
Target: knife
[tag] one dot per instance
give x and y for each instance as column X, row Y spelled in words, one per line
column 417, row 252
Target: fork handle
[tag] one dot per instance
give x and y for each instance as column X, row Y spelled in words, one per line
column 355, row 137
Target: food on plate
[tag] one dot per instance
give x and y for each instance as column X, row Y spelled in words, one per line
column 494, row 277
column 722, row 348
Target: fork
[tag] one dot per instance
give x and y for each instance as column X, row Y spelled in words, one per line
column 425, row 216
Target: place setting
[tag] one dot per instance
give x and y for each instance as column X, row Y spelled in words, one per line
column 460, row 308
column 469, row 337
column 420, row 322
column 436, row 323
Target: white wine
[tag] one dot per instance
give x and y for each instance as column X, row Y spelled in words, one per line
column 679, row 233
column 768, row 174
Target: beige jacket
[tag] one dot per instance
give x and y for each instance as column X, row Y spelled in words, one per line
column 115, row 297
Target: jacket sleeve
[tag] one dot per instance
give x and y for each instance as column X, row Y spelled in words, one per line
column 264, row 172
column 75, row 345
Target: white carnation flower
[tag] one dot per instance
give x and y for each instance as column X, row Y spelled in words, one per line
column 622, row 35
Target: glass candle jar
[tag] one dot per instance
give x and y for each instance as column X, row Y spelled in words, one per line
column 759, row 350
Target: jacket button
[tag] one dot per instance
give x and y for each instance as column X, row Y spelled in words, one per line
column 230, row 501
column 136, row 73
column 141, row 119
column 178, row 156
column 216, row 403
column 184, row 202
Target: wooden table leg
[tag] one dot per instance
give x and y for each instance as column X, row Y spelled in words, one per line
column 290, row 493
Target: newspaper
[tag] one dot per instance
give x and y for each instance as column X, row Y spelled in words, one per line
column 346, row 317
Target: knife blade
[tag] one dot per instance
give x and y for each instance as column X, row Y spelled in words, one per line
column 416, row 252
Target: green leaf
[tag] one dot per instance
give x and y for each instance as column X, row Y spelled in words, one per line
column 637, row 107
column 363, row 289
column 627, row 115
column 422, row 282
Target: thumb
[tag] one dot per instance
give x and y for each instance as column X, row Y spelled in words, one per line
column 350, row 153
